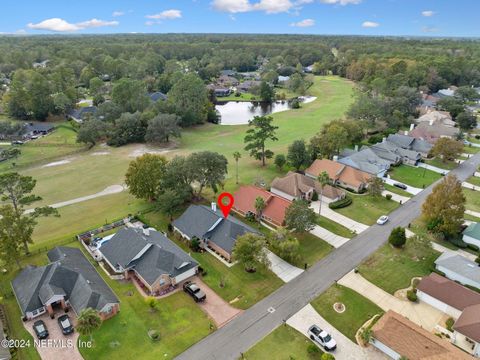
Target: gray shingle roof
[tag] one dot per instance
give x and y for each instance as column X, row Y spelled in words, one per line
column 204, row 223
column 150, row 255
column 460, row 265
column 70, row 274
column 409, row 142
column 365, row 160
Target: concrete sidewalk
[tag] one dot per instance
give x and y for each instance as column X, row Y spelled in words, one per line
column 461, row 252
column 331, row 238
column 433, row 168
column 338, row 218
column 467, row 185
column 473, row 213
column 395, row 197
column 346, row 348
column 420, row 313
column 281, row 268
column 410, row 189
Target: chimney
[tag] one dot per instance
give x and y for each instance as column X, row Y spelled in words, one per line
column 335, row 157
column 146, row 232
column 405, row 132
column 431, row 122
column 412, row 126
column 356, row 147
column 214, row 206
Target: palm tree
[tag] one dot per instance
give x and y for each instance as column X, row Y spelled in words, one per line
column 237, row 156
column 88, row 321
column 323, row 179
column 259, row 206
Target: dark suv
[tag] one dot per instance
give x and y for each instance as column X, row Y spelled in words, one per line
column 194, row 291
column 40, row 329
column 400, row 186
column 65, row 324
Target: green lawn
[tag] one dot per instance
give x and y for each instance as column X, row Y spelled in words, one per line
column 471, row 218
column 312, row 249
column 242, row 97
column 470, row 149
column 416, row 177
column 333, row 227
column 358, row 309
column 473, row 199
column 396, row 190
column 474, row 180
column 392, row 269
column 367, row 209
column 284, row 343
column 447, row 165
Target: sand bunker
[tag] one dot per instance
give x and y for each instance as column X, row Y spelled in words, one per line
column 57, row 163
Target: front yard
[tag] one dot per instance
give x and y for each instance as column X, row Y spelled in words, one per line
column 284, row 343
column 474, row 180
column 473, row 199
column 312, row 249
column 392, row 269
column 413, row 176
column 358, row 309
column 333, row 227
column 447, row 165
column 367, row 209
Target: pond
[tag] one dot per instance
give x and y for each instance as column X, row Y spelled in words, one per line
column 240, row 112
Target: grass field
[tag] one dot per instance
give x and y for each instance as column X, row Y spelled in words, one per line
column 396, row 190
column 473, row 199
column 333, row 227
column 358, row 309
column 312, row 249
column 447, row 165
column 284, row 343
column 470, row 149
column 392, row 269
column 416, row 177
column 367, row 209
column 474, row 180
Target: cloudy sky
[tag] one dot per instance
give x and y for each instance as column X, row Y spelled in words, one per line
column 362, row 17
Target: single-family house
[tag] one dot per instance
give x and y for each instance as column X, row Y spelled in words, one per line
column 399, row 338
column 211, row 228
column 432, row 132
column 365, row 160
column 397, row 155
column 247, row 86
column 411, row 143
column 32, row 130
column 459, row 268
column 227, row 80
column 283, row 79
column 436, row 117
column 459, row 302
column 82, row 113
column 295, row 186
column 275, row 206
column 471, row 235
column 228, row 72
column 149, row 257
column 69, row 281
column 340, row 174
column 429, row 103
column 308, row 69
column 41, row 64
column 155, row 96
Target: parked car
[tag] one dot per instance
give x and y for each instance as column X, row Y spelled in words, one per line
column 17, row 142
column 40, row 329
column 400, row 186
column 65, row 324
column 194, row 291
column 322, row 337
column 382, row 220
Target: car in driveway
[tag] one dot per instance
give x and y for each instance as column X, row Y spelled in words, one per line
column 321, row 337
column 65, row 324
column 194, row 291
column 382, row 220
column 40, row 329
column 400, row 186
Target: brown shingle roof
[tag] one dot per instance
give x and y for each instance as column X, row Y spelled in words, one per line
column 468, row 323
column 337, row 171
column 448, row 291
column 413, row 342
column 295, row 185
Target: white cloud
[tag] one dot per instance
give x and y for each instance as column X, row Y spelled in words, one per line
column 118, row 13
column 341, row 2
column 370, row 24
column 268, row 6
column 428, row 13
column 167, row 14
column 304, row 23
column 60, row 25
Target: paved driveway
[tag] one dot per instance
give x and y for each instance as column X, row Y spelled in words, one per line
column 338, row 218
column 420, row 313
column 395, row 197
column 433, row 168
column 331, row 238
column 57, row 352
column 410, row 189
column 220, row 311
column 284, row 270
column 346, row 349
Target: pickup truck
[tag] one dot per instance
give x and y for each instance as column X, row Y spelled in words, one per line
column 194, row 291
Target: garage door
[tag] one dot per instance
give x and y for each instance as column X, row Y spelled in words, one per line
column 185, row 275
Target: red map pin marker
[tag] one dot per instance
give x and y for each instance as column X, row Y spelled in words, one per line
column 225, row 207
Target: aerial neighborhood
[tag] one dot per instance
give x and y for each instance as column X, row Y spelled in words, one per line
column 272, row 194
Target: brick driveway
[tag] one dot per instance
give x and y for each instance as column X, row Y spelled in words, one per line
column 56, row 352
column 220, row 311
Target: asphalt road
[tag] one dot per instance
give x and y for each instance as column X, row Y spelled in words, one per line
column 255, row 323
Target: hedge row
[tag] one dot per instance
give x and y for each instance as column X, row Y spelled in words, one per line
column 340, row 203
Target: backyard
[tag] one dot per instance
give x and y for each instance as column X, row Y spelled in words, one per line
column 357, row 309
column 367, row 209
column 392, row 269
column 413, row 176
column 284, row 343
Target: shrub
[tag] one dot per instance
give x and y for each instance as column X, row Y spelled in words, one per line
column 449, row 324
column 195, row 244
column 295, row 104
column 340, row 203
column 397, row 237
column 477, row 137
column 366, row 335
column 154, row 335
column 313, row 349
column 375, row 139
column 458, row 242
column 388, row 196
column 315, row 196
column 327, row 356
column 412, row 295
column 472, row 247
